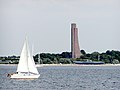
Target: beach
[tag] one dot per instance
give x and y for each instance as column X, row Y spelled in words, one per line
column 41, row 65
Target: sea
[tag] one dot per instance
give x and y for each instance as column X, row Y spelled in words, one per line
column 64, row 78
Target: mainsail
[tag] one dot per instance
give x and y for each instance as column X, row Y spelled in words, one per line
column 26, row 62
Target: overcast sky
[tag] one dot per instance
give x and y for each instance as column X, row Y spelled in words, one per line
column 47, row 25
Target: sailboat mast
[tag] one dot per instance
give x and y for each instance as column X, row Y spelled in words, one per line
column 27, row 48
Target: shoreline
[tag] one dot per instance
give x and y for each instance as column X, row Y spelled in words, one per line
column 42, row 65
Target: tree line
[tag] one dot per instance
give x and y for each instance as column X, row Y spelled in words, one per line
column 112, row 57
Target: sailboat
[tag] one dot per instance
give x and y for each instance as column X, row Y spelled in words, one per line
column 26, row 67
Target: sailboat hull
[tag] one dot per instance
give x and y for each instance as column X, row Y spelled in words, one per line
column 24, row 76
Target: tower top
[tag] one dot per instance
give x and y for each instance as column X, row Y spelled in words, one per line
column 73, row 25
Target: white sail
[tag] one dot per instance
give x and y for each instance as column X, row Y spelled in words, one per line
column 23, row 62
column 26, row 63
column 31, row 64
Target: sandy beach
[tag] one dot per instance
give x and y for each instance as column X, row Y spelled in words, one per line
column 41, row 65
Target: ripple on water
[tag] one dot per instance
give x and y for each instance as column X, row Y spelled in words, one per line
column 65, row 78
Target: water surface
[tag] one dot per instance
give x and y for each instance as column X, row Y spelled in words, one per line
column 65, row 78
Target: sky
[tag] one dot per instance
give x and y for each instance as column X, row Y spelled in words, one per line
column 46, row 23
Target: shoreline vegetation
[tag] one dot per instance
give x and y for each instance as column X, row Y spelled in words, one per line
column 108, row 57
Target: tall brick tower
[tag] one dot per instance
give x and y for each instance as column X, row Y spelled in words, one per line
column 74, row 41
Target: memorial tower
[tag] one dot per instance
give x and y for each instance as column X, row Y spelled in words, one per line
column 74, row 41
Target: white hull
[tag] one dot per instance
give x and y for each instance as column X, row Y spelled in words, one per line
column 24, row 76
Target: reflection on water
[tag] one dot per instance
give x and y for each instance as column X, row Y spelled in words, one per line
column 65, row 78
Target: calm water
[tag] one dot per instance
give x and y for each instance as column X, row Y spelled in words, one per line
column 65, row 78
